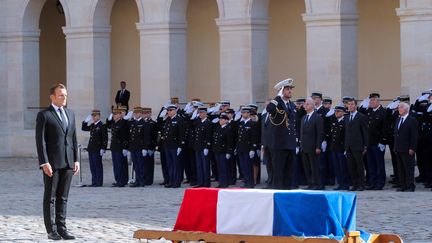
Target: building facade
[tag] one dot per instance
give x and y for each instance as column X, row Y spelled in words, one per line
column 208, row 49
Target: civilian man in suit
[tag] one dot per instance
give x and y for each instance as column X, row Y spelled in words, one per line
column 311, row 137
column 284, row 134
column 356, row 140
column 122, row 96
column 265, row 144
column 405, row 145
column 57, row 150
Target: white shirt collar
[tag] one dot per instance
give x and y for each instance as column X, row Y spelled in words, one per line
column 223, row 126
column 203, row 120
column 56, row 107
column 244, row 120
column 139, row 119
column 340, row 119
column 353, row 114
column 405, row 117
column 318, row 107
column 377, row 108
column 97, row 122
column 310, row 113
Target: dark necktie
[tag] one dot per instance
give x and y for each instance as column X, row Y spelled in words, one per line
column 307, row 119
column 351, row 118
column 400, row 123
column 63, row 118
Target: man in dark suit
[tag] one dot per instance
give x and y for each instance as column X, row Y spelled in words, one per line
column 405, row 145
column 265, row 144
column 57, row 149
column 284, row 134
column 122, row 96
column 356, row 140
column 311, row 137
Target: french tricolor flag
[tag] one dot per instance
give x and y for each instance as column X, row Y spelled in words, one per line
column 267, row 212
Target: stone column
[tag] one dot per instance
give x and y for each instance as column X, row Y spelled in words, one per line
column 163, row 62
column 21, row 82
column 331, row 35
column 416, row 46
column 243, row 59
column 88, row 69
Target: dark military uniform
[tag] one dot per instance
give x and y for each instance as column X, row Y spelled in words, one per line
column 174, row 141
column 391, row 117
column 189, row 153
column 223, row 148
column 136, row 145
column 327, row 176
column 160, row 122
column 150, row 136
column 98, row 141
column 119, row 143
column 284, row 141
column 247, row 142
column 336, row 146
column 202, row 141
column 424, row 148
column 377, row 127
column 233, row 161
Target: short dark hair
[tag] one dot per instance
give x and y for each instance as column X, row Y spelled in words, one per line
column 123, row 82
column 55, row 87
column 353, row 100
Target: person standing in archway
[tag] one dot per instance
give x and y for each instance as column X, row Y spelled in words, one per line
column 122, row 96
column 57, row 148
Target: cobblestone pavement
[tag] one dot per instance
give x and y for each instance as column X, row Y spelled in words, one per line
column 112, row 214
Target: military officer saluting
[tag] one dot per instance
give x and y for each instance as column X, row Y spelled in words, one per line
column 136, row 145
column 202, row 144
column 118, row 147
column 222, row 147
column 247, row 145
column 97, row 145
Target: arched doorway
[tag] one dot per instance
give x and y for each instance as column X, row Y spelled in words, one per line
column 125, row 50
column 287, row 44
column 379, row 63
column 203, row 51
column 52, row 49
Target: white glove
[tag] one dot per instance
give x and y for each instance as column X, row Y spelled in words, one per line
column 258, row 153
column 178, row 151
column 345, row 153
column 150, row 152
column 330, row 113
column 251, row 154
column 110, row 117
column 163, row 113
column 128, row 115
column 228, row 156
column 144, row 152
column 125, row 152
column 297, row 150
column 235, row 151
column 101, row 152
column 88, row 118
column 365, row 103
column 381, row 147
column 205, row 152
column 429, row 109
column 324, row 146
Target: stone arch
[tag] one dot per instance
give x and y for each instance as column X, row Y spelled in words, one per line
column 177, row 10
column 100, row 12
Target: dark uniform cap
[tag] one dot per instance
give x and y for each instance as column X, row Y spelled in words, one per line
column 300, row 100
column 246, row 109
column 404, row 98
column 340, row 108
column 253, row 106
column 117, row 111
column 230, row 110
column 138, row 109
column 202, row 109
column 346, row 98
column 327, row 100
column 316, row 94
column 374, row 95
column 171, row 107
column 211, row 104
column 429, row 92
column 95, row 112
column 225, row 102
column 223, row 116
column 147, row 109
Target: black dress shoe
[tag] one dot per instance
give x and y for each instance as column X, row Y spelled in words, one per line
column 310, row 187
column 163, row 183
column 360, row 188
column 401, row 189
column 319, row 188
column 54, row 236
column 66, row 235
column 168, row 186
column 352, row 188
column 370, row 188
column 197, row 186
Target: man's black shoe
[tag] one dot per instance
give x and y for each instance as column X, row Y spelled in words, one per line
column 66, row 235
column 168, row 186
column 401, row 189
column 54, row 236
column 370, row 188
column 352, row 188
column 360, row 188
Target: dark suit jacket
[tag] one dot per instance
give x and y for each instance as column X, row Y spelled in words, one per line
column 356, row 132
column 55, row 145
column 284, row 132
column 266, row 135
column 311, row 133
column 406, row 137
column 124, row 99
column 98, row 136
